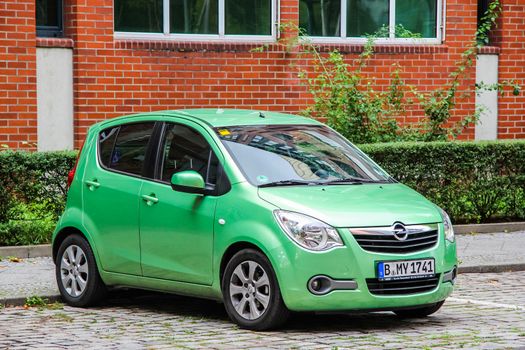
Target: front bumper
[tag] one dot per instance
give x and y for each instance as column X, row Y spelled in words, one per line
column 352, row 263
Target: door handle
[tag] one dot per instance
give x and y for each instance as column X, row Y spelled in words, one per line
column 92, row 185
column 150, row 199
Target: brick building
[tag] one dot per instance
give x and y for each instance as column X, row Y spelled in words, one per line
column 65, row 64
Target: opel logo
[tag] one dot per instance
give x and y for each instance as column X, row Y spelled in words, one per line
column 399, row 230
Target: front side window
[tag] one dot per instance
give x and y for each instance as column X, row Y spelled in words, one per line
column 392, row 19
column 308, row 154
column 183, row 148
column 123, row 148
column 195, row 17
column 48, row 18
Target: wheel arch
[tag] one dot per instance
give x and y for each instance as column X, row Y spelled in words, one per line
column 63, row 234
column 234, row 249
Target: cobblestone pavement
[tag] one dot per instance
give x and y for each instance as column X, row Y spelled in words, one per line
column 486, row 311
column 28, row 277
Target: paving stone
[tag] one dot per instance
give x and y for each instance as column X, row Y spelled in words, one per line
column 486, row 311
column 154, row 321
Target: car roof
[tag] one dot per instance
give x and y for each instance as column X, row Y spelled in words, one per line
column 218, row 117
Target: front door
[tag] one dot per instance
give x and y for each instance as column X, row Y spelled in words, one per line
column 112, row 182
column 176, row 228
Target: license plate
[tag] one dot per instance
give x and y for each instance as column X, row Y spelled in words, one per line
column 405, row 269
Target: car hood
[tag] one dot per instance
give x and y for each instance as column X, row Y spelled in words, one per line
column 359, row 205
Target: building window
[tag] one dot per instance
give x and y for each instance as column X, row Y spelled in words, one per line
column 483, row 6
column 357, row 19
column 197, row 19
column 138, row 16
column 49, row 18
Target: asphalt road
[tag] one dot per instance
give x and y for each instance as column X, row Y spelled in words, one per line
column 486, row 311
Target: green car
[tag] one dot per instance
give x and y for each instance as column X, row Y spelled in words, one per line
column 267, row 212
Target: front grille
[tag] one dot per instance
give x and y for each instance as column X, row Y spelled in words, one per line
column 402, row 287
column 383, row 239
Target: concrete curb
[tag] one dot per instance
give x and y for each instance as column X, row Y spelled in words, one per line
column 490, row 228
column 492, row 268
column 20, row 301
column 26, row 251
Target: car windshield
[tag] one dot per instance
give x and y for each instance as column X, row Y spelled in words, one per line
column 272, row 155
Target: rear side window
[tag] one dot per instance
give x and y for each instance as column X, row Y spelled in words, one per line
column 124, row 148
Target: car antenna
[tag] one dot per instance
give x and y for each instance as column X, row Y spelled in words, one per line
column 261, row 115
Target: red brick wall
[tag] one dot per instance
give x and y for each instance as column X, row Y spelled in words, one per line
column 510, row 37
column 17, row 74
column 114, row 77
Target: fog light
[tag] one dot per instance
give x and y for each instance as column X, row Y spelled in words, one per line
column 315, row 284
column 320, row 285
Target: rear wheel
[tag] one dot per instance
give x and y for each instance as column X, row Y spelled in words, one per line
column 77, row 275
column 419, row 312
column 251, row 293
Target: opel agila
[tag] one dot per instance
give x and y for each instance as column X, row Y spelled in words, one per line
column 267, row 212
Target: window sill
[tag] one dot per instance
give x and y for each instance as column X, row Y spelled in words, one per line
column 186, row 46
column 55, row 42
column 401, row 48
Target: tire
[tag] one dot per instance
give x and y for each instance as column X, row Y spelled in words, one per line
column 419, row 312
column 79, row 282
column 248, row 283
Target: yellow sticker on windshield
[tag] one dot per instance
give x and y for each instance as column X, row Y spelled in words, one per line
column 224, row 132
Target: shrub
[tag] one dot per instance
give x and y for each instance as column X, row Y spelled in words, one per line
column 472, row 181
column 32, row 194
column 27, row 224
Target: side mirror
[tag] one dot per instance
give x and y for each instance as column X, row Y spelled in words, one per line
column 188, row 181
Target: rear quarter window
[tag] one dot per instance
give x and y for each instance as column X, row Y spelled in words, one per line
column 123, row 148
column 106, row 143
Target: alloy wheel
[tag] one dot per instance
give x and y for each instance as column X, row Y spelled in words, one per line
column 249, row 290
column 74, row 270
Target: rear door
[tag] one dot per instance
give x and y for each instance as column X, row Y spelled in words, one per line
column 111, row 186
column 176, row 228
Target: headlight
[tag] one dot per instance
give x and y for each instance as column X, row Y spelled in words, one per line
column 449, row 230
column 308, row 232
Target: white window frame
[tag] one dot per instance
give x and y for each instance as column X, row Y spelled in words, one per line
column 343, row 39
column 221, row 37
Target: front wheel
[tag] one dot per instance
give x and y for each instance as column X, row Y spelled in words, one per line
column 420, row 312
column 251, row 293
column 77, row 275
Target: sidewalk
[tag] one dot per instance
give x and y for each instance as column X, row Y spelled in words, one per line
column 496, row 252
column 491, row 252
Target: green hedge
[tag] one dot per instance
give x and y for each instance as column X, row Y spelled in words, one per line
column 32, row 194
column 472, row 181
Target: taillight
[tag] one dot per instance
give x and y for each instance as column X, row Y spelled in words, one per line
column 71, row 174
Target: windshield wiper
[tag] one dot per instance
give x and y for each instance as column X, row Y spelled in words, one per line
column 288, row 183
column 351, row 180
